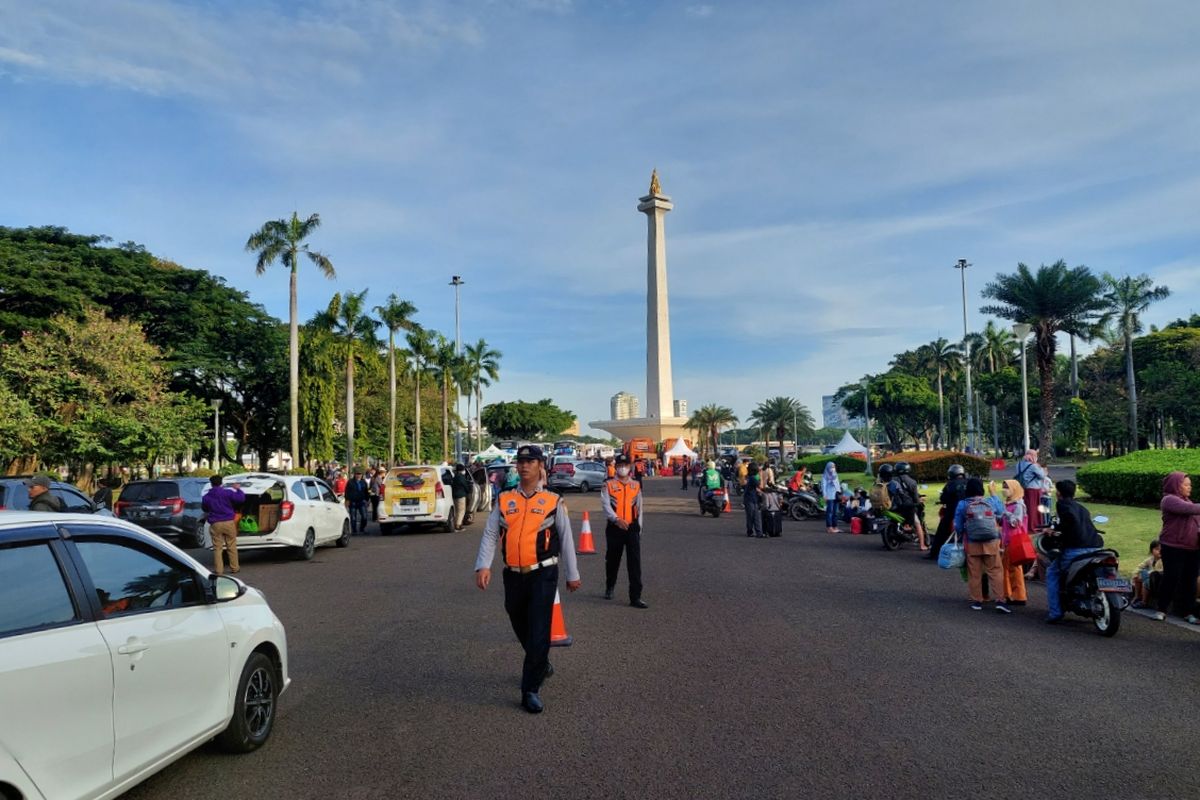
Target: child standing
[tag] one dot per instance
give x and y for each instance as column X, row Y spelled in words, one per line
column 1013, row 521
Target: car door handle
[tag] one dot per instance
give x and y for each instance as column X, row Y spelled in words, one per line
column 130, row 648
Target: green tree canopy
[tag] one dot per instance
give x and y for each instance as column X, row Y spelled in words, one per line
column 522, row 420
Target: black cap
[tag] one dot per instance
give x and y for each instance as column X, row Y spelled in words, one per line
column 530, row 452
column 622, row 459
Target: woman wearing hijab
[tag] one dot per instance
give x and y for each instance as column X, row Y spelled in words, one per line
column 1032, row 477
column 1012, row 521
column 1180, row 540
column 830, row 486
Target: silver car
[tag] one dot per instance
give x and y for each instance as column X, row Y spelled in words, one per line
column 581, row 475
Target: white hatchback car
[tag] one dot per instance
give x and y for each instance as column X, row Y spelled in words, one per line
column 119, row 653
column 297, row 511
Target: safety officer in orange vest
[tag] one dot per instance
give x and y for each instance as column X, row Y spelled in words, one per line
column 621, row 499
column 534, row 533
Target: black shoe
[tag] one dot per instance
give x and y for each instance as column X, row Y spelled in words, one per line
column 608, row 594
column 549, row 671
column 532, row 703
column 638, row 603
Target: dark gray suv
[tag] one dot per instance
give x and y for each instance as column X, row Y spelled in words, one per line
column 581, row 475
column 169, row 507
column 14, row 496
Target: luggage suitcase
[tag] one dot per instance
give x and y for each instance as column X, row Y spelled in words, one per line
column 772, row 523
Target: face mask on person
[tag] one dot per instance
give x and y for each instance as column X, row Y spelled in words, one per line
column 622, row 471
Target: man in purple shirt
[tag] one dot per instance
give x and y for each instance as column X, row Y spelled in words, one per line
column 220, row 505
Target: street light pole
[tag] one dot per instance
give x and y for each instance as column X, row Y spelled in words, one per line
column 216, row 404
column 867, row 422
column 1022, row 330
column 971, row 442
column 457, row 281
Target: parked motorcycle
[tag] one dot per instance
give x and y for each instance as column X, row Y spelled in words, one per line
column 803, row 505
column 1092, row 585
column 712, row 502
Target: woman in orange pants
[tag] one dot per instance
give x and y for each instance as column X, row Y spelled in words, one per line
column 1014, row 520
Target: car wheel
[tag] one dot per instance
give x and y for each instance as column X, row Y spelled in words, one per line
column 448, row 527
column 584, row 488
column 344, row 539
column 195, row 541
column 254, row 708
column 309, row 548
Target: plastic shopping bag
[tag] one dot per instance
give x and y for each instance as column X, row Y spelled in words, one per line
column 951, row 556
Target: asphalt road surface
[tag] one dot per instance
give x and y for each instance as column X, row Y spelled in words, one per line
column 813, row 666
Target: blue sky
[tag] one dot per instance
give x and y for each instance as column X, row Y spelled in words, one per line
column 829, row 162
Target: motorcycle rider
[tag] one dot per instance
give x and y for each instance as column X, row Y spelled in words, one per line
column 712, row 480
column 954, row 491
column 881, row 498
column 1075, row 536
column 905, row 497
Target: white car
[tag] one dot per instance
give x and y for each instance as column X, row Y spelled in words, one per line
column 119, row 653
column 297, row 511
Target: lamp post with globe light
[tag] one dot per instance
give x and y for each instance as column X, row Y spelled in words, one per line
column 1021, row 330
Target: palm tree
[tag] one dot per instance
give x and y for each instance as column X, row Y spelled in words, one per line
column 396, row 315
column 282, row 240
column 420, row 347
column 997, row 346
column 940, row 357
column 483, row 367
column 447, row 369
column 708, row 421
column 1127, row 298
column 778, row 414
column 347, row 320
column 1049, row 300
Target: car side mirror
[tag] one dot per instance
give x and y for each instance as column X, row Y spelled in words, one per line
column 226, row 588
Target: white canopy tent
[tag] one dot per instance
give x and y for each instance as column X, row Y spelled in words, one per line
column 849, row 444
column 680, row 448
column 491, row 454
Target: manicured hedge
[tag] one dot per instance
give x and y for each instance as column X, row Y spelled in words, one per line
column 1137, row 478
column 932, row 465
column 844, row 463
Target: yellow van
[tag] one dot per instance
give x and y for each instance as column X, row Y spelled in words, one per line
column 415, row 496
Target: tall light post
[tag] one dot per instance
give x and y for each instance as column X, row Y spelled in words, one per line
column 216, row 404
column 1021, row 330
column 971, row 442
column 457, row 281
column 867, row 421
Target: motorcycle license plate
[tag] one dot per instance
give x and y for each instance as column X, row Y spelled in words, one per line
column 1113, row 585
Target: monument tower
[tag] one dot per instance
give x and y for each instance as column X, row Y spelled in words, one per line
column 660, row 421
column 660, row 398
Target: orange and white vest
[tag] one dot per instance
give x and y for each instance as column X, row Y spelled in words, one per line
column 623, row 497
column 527, row 529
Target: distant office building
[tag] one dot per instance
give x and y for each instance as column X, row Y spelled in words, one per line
column 624, row 406
column 681, row 408
column 834, row 416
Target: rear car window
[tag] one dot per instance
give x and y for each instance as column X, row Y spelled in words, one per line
column 149, row 492
column 33, row 593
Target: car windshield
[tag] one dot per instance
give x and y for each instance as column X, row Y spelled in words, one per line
column 149, row 492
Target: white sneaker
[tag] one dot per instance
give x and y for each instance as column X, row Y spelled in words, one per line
column 1160, row 616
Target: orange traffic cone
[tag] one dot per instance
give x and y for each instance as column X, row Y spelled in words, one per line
column 558, row 628
column 728, row 507
column 586, row 543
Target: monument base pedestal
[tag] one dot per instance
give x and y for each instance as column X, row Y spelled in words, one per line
column 645, row 427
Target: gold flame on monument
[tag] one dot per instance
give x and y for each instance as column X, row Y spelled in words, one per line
column 655, row 188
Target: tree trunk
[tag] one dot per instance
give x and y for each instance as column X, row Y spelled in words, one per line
column 941, row 437
column 1074, row 369
column 478, row 417
column 1045, row 363
column 416, row 448
column 391, row 398
column 1131, row 386
column 350, row 405
column 293, row 364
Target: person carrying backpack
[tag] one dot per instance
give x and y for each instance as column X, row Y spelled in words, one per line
column 906, row 496
column 976, row 521
column 881, row 497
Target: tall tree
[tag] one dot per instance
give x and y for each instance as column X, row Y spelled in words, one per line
column 777, row 414
column 1047, row 300
column 1127, row 298
column 483, row 367
column 396, row 315
column 347, row 320
column 420, row 348
column 708, row 422
column 940, row 357
column 996, row 346
column 447, row 367
column 283, row 240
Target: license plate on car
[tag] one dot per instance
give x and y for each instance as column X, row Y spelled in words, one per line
column 1113, row 585
column 408, row 507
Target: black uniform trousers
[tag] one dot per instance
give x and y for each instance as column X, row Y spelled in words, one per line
column 529, row 601
column 617, row 542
